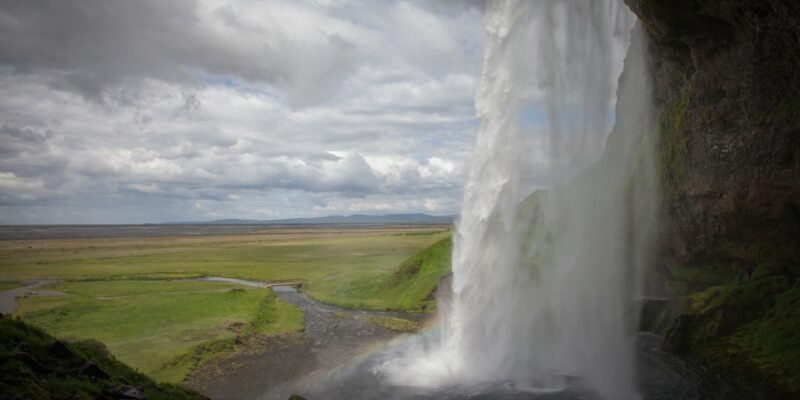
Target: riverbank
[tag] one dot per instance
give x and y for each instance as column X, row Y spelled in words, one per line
column 8, row 297
column 275, row 367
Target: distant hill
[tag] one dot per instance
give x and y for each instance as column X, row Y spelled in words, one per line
column 356, row 219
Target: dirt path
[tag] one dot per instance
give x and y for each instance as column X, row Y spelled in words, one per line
column 8, row 298
column 333, row 336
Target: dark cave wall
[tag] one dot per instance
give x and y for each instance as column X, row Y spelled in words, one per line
column 728, row 75
column 726, row 88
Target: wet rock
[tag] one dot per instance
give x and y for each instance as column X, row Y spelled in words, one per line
column 15, row 344
column 130, row 392
column 679, row 335
column 654, row 316
column 737, row 66
column 60, row 350
column 32, row 364
column 91, row 370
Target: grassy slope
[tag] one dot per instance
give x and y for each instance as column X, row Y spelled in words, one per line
column 33, row 365
column 149, row 323
column 407, row 288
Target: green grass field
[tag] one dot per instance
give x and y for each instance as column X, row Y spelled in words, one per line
column 22, row 379
column 8, row 285
column 306, row 255
column 406, row 288
column 148, row 324
column 121, row 290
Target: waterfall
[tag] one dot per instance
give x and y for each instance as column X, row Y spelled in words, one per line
column 543, row 289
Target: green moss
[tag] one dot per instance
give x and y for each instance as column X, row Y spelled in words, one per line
column 673, row 145
column 677, row 288
column 772, row 343
column 775, row 247
column 787, row 108
column 699, row 275
column 393, row 323
column 751, row 329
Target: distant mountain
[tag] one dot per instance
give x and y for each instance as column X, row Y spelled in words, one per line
column 356, row 219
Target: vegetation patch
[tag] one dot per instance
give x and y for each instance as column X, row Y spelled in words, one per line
column 750, row 329
column 149, row 324
column 408, row 288
column 394, row 323
column 788, row 108
column 310, row 255
column 34, row 365
column 673, row 145
column 698, row 275
column 8, row 285
column 126, row 292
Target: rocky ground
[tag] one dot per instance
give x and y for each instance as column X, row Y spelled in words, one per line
column 271, row 367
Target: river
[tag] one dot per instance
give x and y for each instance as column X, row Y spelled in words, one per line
column 343, row 356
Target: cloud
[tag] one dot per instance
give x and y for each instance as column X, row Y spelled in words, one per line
column 304, row 50
column 149, row 110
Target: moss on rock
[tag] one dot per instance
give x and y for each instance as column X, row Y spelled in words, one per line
column 672, row 145
column 749, row 329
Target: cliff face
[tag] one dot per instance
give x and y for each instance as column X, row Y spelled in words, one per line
column 729, row 71
column 726, row 81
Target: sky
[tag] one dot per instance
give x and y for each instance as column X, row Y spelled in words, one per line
column 119, row 111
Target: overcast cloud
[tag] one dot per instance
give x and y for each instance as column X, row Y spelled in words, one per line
column 119, row 111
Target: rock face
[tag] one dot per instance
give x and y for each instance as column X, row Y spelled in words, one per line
column 729, row 73
column 726, row 82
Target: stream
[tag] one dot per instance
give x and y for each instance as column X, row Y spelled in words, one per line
column 8, row 298
column 343, row 356
column 280, row 366
column 663, row 376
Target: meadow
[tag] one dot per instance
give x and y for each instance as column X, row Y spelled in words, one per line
column 408, row 287
column 301, row 253
column 136, row 294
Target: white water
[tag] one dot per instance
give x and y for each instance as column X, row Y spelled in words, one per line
column 545, row 291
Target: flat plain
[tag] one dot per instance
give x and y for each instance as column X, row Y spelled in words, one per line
column 137, row 296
